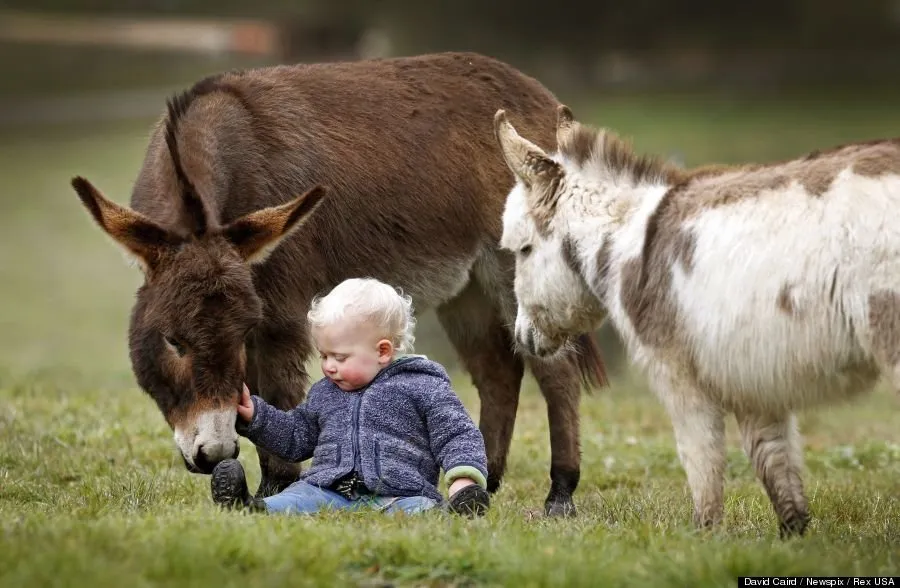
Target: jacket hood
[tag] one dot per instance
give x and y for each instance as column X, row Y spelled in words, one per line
column 414, row 365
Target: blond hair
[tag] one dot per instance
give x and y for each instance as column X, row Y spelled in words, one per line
column 369, row 300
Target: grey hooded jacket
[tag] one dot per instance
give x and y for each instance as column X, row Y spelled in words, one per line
column 396, row 433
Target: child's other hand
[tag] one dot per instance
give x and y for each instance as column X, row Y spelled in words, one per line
column 245, row 405
column 458, row 484
column 468, row 498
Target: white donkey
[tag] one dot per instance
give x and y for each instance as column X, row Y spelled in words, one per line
column 758, row 289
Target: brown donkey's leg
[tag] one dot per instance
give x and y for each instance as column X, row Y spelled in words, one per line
column 559, row 382
column 485, row 348
column 774, row 447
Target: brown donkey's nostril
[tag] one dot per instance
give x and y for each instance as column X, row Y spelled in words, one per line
column 190, row 467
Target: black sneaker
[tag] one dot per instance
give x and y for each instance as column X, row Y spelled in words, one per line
column 472, row 500
column 229, row 487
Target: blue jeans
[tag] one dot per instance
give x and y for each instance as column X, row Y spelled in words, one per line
column 301, row 497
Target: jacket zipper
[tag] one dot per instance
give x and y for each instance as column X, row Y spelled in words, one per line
column 357, row 401
column 355, row 420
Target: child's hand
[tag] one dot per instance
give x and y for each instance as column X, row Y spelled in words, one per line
column 458, row 484
column 245, row 405
column 468, row 498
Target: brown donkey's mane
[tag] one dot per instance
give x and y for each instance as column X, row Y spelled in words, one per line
column 176, row 107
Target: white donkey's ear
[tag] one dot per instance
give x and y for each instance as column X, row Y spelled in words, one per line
column 524, row 158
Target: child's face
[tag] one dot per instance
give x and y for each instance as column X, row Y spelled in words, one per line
column 352, row 353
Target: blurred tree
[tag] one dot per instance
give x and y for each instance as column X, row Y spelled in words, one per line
column 570, row 24
column 575, row 29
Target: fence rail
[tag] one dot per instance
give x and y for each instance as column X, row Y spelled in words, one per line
column 214, row 36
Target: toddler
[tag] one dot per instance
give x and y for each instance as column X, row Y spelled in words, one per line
column 379, row 426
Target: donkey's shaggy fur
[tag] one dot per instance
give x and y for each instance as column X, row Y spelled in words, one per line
column 758, row 290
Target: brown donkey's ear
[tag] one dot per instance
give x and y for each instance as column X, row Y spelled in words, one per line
column 257, row 234
column 524, row 158
column 136, row 233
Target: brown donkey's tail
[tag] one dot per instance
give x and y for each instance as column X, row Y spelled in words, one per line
column 588, row 360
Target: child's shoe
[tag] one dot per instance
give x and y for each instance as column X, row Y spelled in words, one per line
column 473, row 500
column 229, row 487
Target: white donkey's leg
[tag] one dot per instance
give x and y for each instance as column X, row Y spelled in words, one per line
column 883, row 332
column 699, row 426
column 775, row 448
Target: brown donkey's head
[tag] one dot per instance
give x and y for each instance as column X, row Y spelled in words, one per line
column 194, row 310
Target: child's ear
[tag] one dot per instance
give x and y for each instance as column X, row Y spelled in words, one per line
column 385, row 350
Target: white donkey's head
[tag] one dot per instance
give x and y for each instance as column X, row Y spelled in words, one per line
column 555, row 301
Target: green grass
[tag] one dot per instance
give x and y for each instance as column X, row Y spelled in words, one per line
column 93, row 493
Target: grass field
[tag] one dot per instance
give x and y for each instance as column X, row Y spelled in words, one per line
column 93, row 493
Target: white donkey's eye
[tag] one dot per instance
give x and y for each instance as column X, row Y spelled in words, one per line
column 525, row 250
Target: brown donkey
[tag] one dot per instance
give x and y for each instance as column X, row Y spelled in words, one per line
column 388, row 168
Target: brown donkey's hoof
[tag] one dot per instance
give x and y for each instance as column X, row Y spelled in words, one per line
column 561, row 508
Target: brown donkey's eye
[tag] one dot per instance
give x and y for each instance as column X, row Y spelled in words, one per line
column 176, row 345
